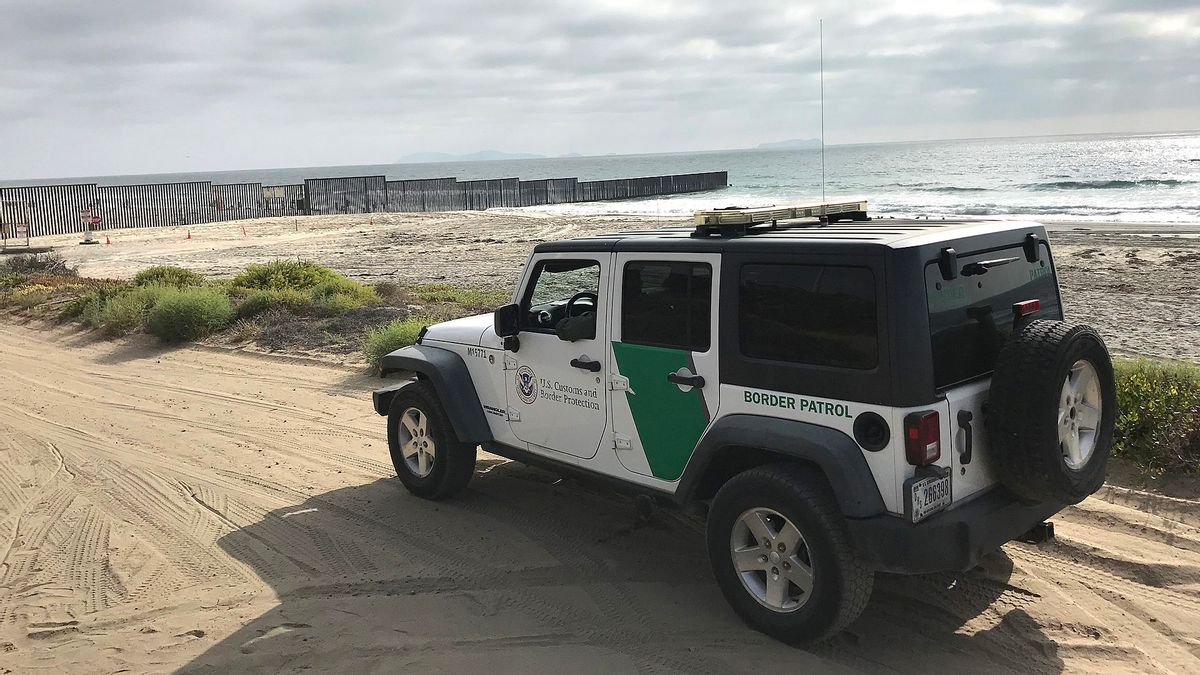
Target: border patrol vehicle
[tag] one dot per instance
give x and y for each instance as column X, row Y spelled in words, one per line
column 841, row 397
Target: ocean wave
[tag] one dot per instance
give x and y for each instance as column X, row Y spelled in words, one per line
column 935, row 187
column 954, row 188
column 1187, row 212
column 1106, row 184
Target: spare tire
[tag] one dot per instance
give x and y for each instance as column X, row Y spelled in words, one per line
column 1050, row 412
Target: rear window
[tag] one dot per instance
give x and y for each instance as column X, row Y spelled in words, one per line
column 971, row 316
column 821, row 315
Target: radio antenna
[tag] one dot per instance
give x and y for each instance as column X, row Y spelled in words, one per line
column 821, row 48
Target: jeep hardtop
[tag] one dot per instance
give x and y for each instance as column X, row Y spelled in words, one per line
column 840, row 398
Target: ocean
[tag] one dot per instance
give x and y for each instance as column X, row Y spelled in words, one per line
column 1113, row 178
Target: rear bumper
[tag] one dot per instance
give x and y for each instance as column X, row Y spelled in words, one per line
column 952, row 540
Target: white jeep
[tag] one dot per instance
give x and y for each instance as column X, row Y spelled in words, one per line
column 892, row 395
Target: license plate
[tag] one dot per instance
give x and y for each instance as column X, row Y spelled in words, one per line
column 928, row 496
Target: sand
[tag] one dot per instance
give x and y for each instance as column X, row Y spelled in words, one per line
column 203, row 510
column 1137, row 284
column 216, row 512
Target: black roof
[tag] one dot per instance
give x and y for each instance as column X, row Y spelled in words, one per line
column 840, row 237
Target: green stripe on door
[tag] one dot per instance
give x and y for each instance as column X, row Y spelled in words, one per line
column 669, row 422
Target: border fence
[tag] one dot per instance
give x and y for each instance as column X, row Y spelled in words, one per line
column 63, row 209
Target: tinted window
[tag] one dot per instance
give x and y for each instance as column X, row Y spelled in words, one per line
column 971, row 316
column 666, row 304
column 812, row 314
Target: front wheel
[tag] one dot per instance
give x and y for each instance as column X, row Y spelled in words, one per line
column 429, row 459
column 781, row 554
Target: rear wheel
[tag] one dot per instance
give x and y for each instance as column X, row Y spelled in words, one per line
column 781, row 554
column 429, row 459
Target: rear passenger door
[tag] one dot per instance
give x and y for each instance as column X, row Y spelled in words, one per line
column 662, row 359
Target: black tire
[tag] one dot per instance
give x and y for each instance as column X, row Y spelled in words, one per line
column 453, row 461
column 841, row 581
column 1023, row 412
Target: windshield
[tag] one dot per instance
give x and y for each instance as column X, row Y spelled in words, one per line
column 971, row 316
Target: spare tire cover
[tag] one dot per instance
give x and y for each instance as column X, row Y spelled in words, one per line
column 1050, row 412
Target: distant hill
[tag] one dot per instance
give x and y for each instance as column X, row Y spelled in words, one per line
column 793, row 144
column 481, row 156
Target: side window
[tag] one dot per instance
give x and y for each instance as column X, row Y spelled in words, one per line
column 667, row 304
column 812, row 314
column 564, row 295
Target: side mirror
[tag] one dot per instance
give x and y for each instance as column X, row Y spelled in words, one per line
column 508, row 321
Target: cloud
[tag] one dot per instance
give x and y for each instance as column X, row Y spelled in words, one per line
column 139, row 86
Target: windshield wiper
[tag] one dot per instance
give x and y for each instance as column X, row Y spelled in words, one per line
column 981, row 267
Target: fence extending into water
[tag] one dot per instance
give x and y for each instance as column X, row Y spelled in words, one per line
column 62, row 209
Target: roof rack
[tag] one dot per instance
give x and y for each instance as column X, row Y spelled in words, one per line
column 733, row 221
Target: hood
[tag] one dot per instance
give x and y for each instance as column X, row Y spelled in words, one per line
column 465, row 331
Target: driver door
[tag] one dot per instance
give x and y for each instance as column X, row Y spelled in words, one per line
column 556, row 397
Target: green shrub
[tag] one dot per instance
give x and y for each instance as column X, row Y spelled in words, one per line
column 189, row 314
column 462, row 296
column 39, row 263
column 379, row 342
column 338, row 303
column 88, row 304
column 279, row 274
column 300, row 287
column 257, row 301
column 1158, row 414
column 167, row 275
column 11, row 281
column 122, row 310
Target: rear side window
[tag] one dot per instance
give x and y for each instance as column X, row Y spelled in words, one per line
column 821, row 315
column 667, row 304
column 971, row 316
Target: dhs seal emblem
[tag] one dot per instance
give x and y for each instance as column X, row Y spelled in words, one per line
column 526, row 384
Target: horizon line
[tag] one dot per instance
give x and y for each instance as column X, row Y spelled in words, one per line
column 572, row 155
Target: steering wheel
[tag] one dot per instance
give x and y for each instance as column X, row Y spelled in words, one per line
column 582, row 295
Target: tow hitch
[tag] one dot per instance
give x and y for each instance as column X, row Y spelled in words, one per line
column 1039, row 533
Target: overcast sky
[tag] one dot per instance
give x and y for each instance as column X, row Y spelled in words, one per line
column 140, row 86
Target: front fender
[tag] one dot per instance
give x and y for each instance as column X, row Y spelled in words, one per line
column 835, row 453
column 450, row 378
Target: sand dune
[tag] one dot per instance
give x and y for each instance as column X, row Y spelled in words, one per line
column 215, row 512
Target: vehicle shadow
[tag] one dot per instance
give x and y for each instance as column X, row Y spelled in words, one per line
column 525, row 572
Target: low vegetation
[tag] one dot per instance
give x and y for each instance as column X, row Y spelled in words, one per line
column 182, row 314
column 300, row 287
column 289, row 305
column 301, row 305
column 167, row 275
column 37, row 263
column 1158, row 418
column 379, row 342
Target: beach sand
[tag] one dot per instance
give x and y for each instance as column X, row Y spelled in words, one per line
column 1136, row 283
column 204, row 511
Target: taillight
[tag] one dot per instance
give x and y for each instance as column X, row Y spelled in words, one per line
column 1027, row 307
column 922, row 438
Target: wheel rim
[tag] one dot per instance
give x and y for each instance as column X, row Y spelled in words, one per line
column 1079, row 408
column 416, row 445
column 772, row 559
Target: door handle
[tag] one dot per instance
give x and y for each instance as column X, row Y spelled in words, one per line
column 964, row 422
column 686, row 380
column 586, row 364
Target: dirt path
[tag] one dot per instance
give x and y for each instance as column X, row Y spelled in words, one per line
column 217, row 512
